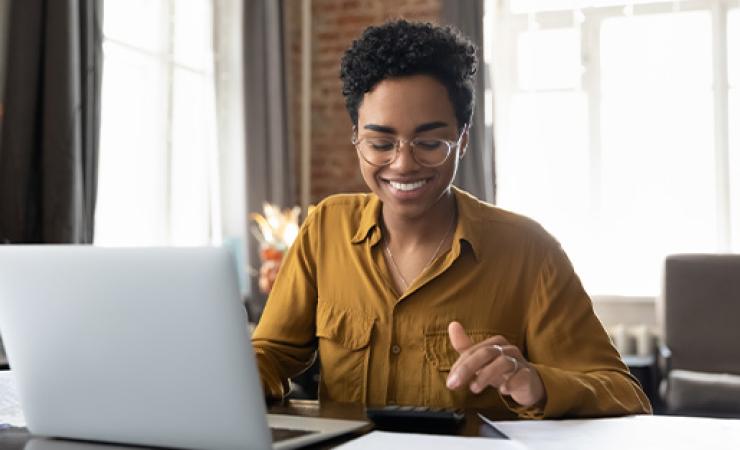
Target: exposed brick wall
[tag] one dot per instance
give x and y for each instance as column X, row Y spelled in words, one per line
column 335, row 23
column 293, row 61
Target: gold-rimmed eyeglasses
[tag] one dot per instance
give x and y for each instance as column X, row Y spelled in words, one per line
column 382, row 151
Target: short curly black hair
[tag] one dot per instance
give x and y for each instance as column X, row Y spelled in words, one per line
column 402, row 48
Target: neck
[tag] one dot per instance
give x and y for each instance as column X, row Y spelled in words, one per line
column 411, row 232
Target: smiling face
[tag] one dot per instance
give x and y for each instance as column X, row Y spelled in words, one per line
column 409, row 107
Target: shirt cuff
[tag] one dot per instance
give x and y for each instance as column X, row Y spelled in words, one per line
column 523, row 412
column 557, row 391
column 272, row 383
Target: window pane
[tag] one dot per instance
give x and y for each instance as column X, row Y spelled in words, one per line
column 138, row 23
column 525, row 6
column 657, row 51
column 735, row 169
column 193, row 145
column 549, row 59
column 733, row 47
column 733, row 53
column 658, row 186
column 157, row 125
column 544, row 171
column 193, row 33
column 131, row 202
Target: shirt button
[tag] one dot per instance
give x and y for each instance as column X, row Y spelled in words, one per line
column 396, row 349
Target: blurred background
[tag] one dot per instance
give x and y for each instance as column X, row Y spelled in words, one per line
column 614, row 123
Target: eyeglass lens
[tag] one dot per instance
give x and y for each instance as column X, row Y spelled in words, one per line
column 381, row 151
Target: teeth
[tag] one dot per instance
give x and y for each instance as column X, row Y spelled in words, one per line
column 408, row 186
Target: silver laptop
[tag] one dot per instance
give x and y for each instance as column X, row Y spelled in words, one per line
column 139, row 346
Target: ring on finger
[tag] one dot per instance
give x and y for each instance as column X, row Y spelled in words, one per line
column 515, row 362
column 499, row 348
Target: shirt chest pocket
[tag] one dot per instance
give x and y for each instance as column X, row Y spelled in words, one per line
column 440, row 356
column 344, row 351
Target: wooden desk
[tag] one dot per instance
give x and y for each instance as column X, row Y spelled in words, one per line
column 16, row 438
column 472, row 426
column 638, row 432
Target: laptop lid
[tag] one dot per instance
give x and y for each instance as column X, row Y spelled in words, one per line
column 141, row 346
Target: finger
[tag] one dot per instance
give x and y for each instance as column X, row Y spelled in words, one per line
column 490, row 342
column 458, row 338
column 471, row 363
column 498, row 372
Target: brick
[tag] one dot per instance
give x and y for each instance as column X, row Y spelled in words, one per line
column 335, row 24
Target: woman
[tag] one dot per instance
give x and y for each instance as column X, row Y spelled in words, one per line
column 418, row 293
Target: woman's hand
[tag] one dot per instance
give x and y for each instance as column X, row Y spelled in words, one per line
column 496, row 363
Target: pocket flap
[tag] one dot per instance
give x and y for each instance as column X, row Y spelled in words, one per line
column 350, row 329
column 439, row 350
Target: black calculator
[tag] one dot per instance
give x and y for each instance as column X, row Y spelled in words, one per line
column 416, row 419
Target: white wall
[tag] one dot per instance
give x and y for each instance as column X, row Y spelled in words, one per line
column 629, row 311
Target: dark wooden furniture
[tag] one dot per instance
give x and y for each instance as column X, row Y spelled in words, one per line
column 16, row 438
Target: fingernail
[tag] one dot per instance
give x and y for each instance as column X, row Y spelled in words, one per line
column 453, row 381
column 475, row 387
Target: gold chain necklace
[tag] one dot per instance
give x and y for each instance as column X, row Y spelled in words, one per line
column 434, row 255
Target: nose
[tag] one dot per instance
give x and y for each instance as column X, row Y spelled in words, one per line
column 405, row 161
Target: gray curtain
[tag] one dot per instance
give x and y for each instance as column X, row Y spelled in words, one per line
column 49, row 151
column 477, row 172
column 4, row 7
column 270, row 173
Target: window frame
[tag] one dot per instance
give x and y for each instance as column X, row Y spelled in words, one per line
column 508, row 26
column 166, row 59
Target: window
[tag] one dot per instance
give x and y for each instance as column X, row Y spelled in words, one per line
column 733, row 65
column 614, row 129
column 158, row 182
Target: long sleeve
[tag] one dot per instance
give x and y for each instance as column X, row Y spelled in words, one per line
column 583, row 374
column 284, row 340
column 504, row 275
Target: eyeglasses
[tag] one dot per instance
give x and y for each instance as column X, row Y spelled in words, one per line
column 382, row 151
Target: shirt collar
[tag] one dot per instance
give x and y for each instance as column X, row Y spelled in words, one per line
column 468, row 212
column 468, row 220
column 369, row 220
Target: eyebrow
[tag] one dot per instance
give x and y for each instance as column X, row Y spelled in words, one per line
column 421, row 128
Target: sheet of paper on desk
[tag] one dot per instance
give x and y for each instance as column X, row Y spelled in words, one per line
column 10, row 407
column 653, row 432
column 387, row 440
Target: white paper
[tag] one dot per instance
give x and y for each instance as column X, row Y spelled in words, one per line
column 648, row 432
column 389, row 441
column 10, row 407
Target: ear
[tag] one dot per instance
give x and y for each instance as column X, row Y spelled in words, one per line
column 464, row 137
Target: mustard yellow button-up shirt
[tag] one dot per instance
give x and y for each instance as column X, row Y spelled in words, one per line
column 504, row 275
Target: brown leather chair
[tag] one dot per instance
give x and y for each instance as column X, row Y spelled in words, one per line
column 701, row 314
